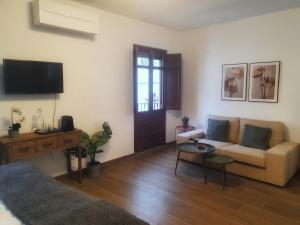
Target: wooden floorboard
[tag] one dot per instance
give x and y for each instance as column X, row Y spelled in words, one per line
column 145, row 185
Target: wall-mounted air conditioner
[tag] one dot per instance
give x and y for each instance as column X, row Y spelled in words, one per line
column 59, row 15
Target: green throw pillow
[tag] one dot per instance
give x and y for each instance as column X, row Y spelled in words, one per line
column 256, row 137
column 217, row 130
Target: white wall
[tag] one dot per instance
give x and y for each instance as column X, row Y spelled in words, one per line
column 265, row 38
column 97, row 75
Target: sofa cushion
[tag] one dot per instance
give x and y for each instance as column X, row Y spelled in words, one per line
column 244, row 154
column 217, row 130
column 218, row 144
column 256, row 137
column 234, row 125
column 278, row 134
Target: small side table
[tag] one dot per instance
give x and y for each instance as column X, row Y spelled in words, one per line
column 182, row 129
column 202, row 149
column 221, row 160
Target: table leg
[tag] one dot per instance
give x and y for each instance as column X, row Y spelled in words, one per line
column 177, row 161
column 79, row 166
column 225, row 177
column 68, row 155
column 204, row 170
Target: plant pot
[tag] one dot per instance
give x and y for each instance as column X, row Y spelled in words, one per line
column 185, row 124
column 93, row 170
column 13, row 133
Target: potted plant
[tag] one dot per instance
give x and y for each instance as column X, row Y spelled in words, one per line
column 185, row 121
column 15, row 126
column 91, row 146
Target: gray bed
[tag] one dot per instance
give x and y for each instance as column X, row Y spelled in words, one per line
column 37, row 199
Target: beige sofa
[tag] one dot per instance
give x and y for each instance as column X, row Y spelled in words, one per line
column 277, row 165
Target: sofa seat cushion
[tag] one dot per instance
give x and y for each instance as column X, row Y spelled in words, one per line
column 247, row 155
column 218, row 144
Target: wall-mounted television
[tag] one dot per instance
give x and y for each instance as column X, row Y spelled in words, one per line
column 32, row 77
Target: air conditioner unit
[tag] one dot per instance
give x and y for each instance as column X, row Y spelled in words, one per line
column 62, row 16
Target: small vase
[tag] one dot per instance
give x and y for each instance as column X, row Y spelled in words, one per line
column 13, row 133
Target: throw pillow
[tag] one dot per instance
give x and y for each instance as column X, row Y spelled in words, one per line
column 217, row 130
column 256, row 137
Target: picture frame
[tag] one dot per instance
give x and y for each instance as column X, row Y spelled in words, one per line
column 264, row 81
column 234, row 82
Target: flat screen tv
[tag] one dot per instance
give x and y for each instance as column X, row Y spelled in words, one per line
column 32, row 77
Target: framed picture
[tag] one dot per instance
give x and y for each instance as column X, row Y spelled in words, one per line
column 264, row 82
column 234, row 82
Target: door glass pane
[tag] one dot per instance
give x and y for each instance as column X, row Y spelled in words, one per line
column 143, row 89
column 142, row 61
column 156, row 62
column 156, row 89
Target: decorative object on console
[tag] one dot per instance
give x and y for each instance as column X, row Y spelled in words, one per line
column 185, row 121
column 234, row 82
column 91, row 146
column 264, row 82
column 40, row 120
column 67, row 123
column 13, row 130
column 42, row 128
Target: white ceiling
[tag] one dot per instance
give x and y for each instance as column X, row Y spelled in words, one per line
column 184, row 14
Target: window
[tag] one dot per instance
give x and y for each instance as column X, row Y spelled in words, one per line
column 148, row 64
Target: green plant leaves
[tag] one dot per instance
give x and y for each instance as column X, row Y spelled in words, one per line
column 91, row 144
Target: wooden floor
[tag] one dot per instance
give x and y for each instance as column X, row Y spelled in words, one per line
column 146, row 186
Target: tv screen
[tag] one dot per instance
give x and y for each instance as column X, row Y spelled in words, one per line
column 31, row 77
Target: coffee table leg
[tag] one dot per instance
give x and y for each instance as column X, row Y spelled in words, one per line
column 177, row 161
column 204, row 171
column 225, row 177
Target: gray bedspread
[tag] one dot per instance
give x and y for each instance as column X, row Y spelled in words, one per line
column 37, row 199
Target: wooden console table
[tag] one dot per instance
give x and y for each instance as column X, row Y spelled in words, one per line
column 30, row 144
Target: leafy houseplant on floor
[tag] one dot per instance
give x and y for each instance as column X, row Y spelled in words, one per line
column 15, row 126
column 185, row 121
column 91, row 146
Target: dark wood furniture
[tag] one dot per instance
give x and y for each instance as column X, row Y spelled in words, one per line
column 149, row 117
column 28, row 145
column 157, row 88
column 172, row 81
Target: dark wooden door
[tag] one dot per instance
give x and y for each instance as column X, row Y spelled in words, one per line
column 149, row 112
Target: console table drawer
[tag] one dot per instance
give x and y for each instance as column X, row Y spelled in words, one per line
column 69, row 140
column 47, row 144
column 22, row 149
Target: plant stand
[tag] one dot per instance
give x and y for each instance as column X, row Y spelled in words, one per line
column 77, row 173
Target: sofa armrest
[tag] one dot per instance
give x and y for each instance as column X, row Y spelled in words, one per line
column 282, row 161
column 184, row 137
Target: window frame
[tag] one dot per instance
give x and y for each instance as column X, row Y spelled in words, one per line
column 154, row 53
